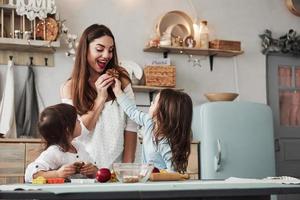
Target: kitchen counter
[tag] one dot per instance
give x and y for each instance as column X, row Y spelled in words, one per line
column 193, row 189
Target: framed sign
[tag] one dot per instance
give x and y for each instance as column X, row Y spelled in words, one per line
column 189, row 42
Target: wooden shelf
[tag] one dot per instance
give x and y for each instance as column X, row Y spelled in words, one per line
column 193, row 51
column 144, row 88
column 20, row 140
column 7, row 6
column 23, row 51
column 150, row 90
column 32, row 46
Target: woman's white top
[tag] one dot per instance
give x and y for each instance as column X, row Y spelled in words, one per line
column 105, row 143
column 53, row 158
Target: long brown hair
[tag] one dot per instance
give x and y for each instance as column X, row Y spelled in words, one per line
column 56, row 125
column 173, row 120
column 83, row 94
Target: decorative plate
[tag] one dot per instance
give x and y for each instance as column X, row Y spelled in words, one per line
column 175, row 17
column 132, row 68
column 51, row 29
column 176, row 30
column 293, row 6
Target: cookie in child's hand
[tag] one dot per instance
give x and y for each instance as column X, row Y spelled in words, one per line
column 116, row 74
column 78, row 166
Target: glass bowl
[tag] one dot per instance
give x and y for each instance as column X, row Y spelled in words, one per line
column 132, row 172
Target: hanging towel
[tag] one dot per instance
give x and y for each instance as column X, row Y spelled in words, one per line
column 28, row 110
column 7, row 105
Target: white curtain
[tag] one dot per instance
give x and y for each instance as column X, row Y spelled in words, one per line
column 7, row 105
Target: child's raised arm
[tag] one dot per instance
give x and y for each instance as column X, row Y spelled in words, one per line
column 129, row 106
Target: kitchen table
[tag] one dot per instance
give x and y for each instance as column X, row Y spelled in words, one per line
column 193, row 189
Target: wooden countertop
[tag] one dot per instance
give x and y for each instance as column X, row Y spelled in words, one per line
column 20, row 140
column 37, row 140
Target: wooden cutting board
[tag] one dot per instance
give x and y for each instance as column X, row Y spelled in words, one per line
column 168, row 177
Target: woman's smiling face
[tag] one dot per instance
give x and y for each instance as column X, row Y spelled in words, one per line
column 100, row 52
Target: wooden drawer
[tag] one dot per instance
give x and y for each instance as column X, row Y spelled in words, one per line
column 12, row 158
column 15, row 155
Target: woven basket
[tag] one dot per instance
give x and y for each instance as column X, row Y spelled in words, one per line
column 160, row 76
column 225, row 45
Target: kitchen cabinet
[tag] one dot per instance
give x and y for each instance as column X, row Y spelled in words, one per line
column 16, row 154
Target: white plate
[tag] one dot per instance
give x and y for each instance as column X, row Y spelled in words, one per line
column 177, row 30
column 83, row 180
column 175, row 17
column 132, row 68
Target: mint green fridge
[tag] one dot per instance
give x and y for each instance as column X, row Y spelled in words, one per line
column 236, row 140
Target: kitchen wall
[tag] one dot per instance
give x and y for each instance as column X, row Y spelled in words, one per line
column 133, row 21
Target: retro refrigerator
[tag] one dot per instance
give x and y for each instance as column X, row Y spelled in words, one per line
column 236, row 140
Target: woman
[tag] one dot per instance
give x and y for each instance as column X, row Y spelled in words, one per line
column 109, row 136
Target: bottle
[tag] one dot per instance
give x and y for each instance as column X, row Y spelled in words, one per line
column 204, row 35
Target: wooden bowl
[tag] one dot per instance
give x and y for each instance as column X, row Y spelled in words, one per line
column 221, row 96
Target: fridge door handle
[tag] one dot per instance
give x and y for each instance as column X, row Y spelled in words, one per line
column 218, row 156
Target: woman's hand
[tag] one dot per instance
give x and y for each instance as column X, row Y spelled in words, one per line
column 66, row 170
column 89, row 170
column 117, row 87
column 102, row 83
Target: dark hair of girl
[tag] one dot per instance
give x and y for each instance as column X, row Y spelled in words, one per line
column 173, row 121
column 83, row 94
column 56, row 125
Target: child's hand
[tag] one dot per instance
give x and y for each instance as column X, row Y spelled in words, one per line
column 117, row 87
column 66, row 170
column 89, row 170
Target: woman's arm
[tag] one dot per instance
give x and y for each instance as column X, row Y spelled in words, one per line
column 90, row 118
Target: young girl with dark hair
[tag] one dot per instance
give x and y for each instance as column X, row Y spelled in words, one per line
column 166, row 128
column 58, row 125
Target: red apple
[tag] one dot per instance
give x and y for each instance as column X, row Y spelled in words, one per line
column 103, row 175
column 155, row 170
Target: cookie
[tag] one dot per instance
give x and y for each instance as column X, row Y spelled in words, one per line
column 113, row 72
column 78, row 166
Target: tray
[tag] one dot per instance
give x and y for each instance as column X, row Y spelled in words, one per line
column 168, row 176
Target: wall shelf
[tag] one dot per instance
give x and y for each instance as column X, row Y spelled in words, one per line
column 193, row 51
column 150, row 90
column 14, row 44
column 144, row 88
